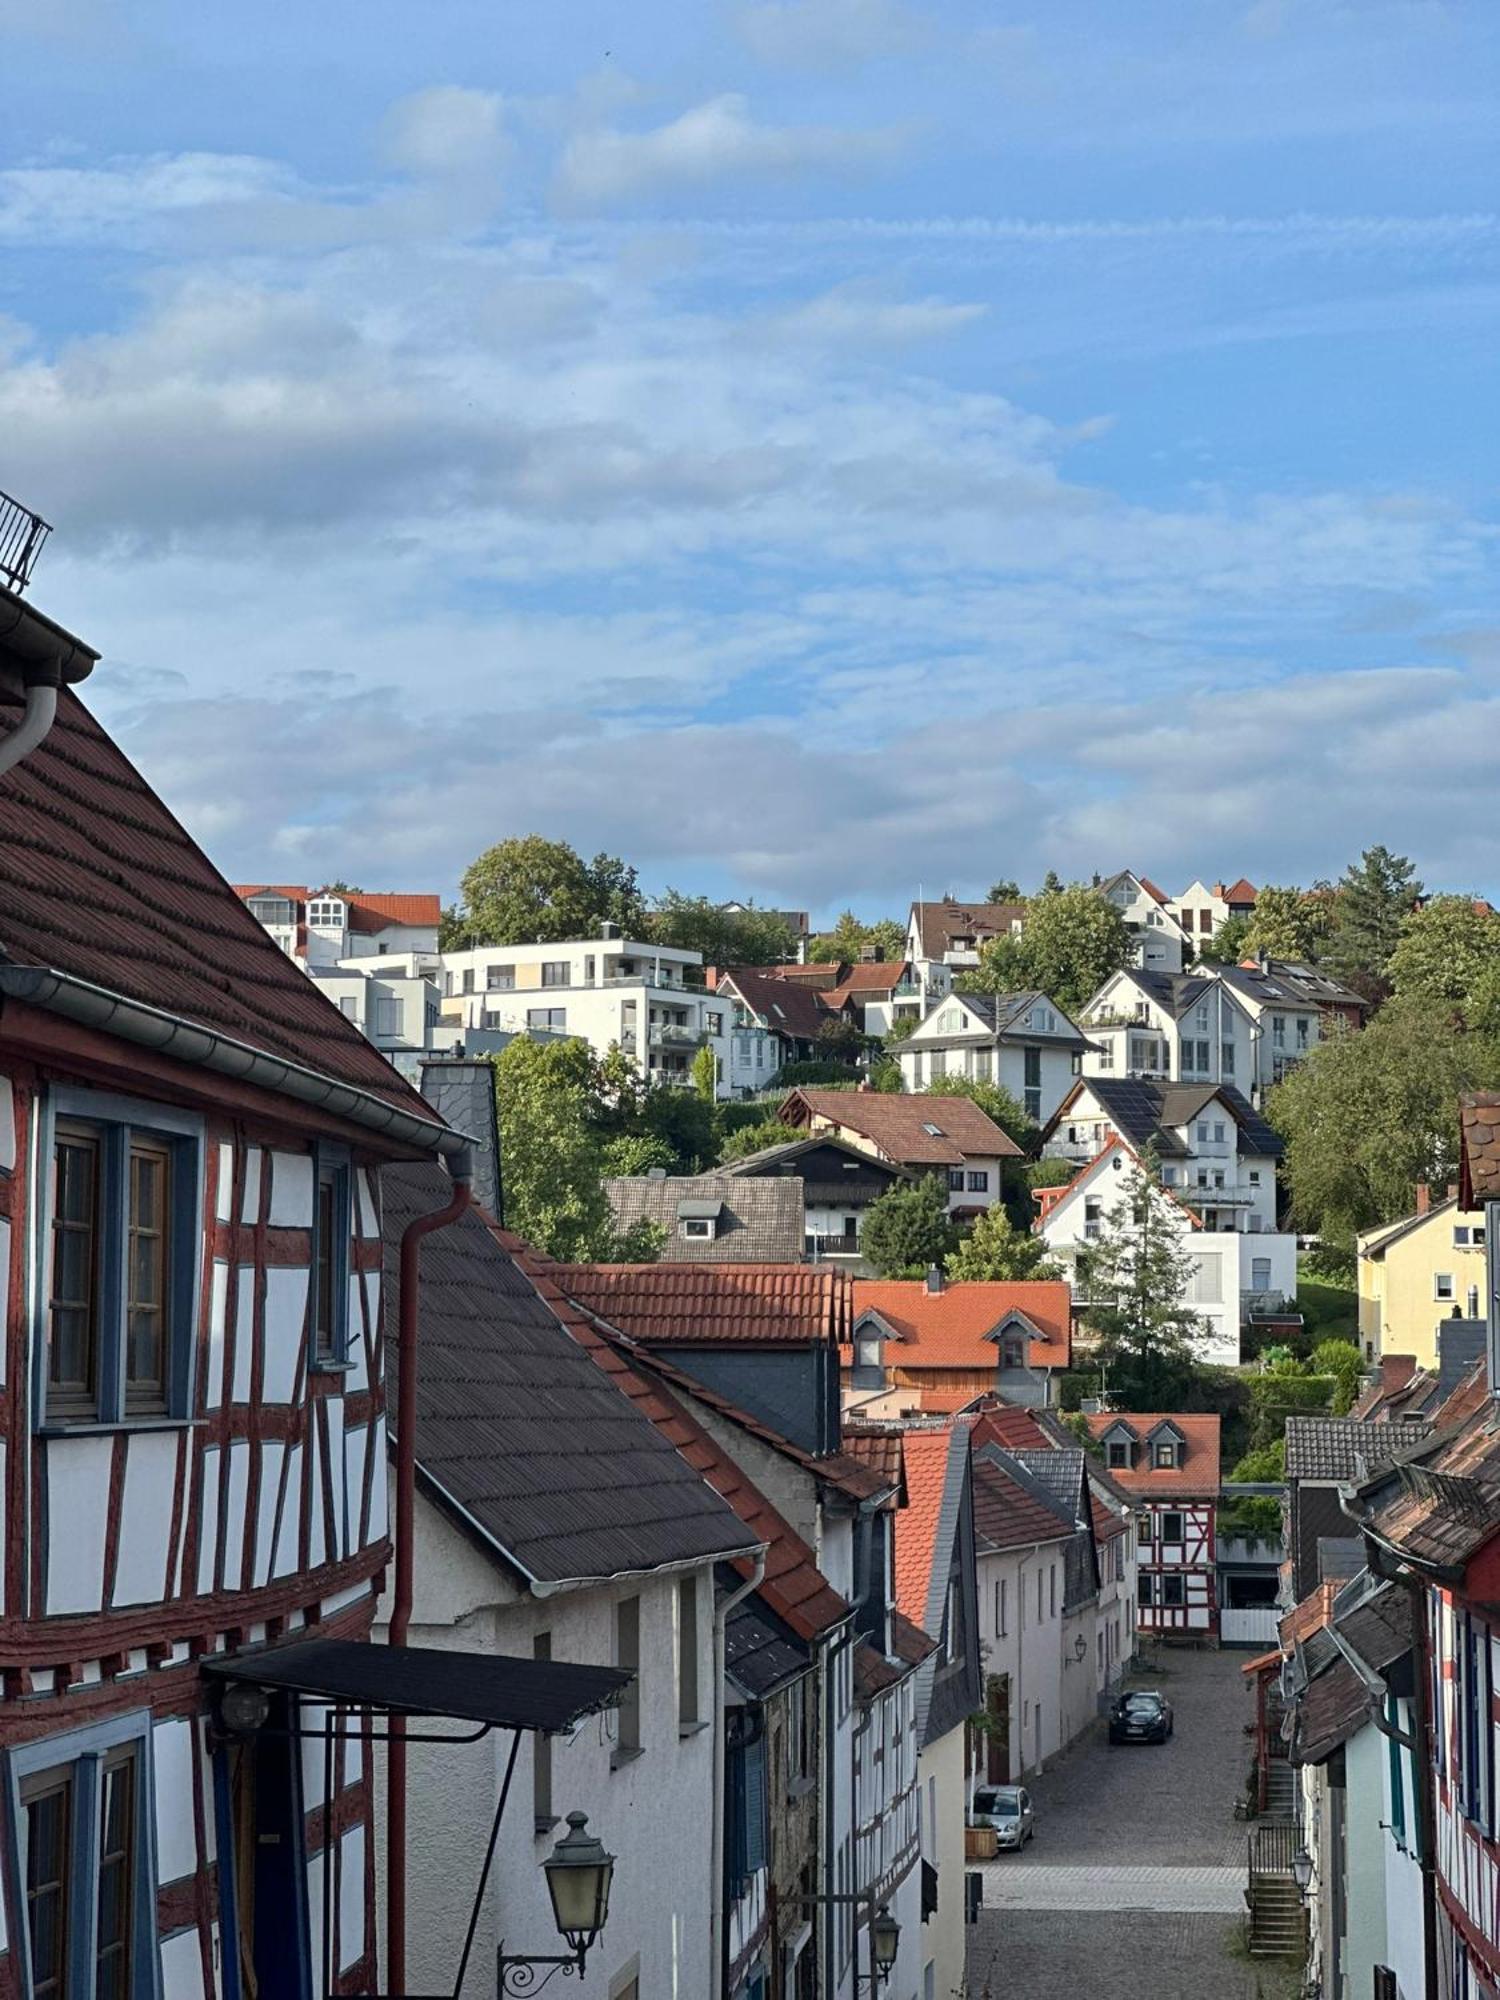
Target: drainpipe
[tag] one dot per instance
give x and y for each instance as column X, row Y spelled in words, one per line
column 716, row 1876
column 37, row 717
column 461, row 1167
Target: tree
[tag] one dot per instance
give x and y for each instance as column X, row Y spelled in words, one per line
column 1366, row 1116
column 551, row 1157
column 529, row 889
column 634, row 1153
column 908, row 1228
column 993, row 1099
column 995, row 1249
column 1072, row 942
column 1139, row 1276
column 851, row 937
column 748, row 1139
column 1051, row 883
column 900, row 1028
column 841, row 1040
column 1448, row 951
column 1341, row 1360
column 1004, row 891
column 724, row 937
column 1372, row 897
column 1228, row 944
column 706, row 1074
column 1288, row 924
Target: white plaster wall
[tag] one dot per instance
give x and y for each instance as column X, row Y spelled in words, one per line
column 1403, row 1882
column 942, row 1780
column 77, row 1519
column 208, row 1519
column 291, row 1190
column 182, row 1967
column 285, row 1312
column 655, row 1812
column 145, row 1508
column 176, row 1841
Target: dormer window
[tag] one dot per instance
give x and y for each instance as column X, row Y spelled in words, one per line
column 1120, row 1451
column 1013, row 1351
column 869, row 1368
column 1164, row 1457
column 700, row 1227
column 698, row 1221
column 327, row 913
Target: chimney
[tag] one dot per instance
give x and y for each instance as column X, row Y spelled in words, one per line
column 934, row 1279
column 1424, row 1197
column 1396, row 1370
column 463, row 1093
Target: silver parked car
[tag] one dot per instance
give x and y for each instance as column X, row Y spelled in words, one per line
column 1007, row 1808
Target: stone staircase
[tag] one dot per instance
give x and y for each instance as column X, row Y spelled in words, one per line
column 1281, row 1789
column 1278, row 1922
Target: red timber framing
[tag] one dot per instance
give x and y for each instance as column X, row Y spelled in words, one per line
column 1177, row 1568
column 1464, row 1684
column 135, row 1551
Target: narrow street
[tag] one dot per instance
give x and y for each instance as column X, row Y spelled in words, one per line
column 1137, row 1870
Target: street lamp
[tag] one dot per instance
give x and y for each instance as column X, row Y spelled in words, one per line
column 1302, row 1869
column 579, row 1872
column 885, row 1934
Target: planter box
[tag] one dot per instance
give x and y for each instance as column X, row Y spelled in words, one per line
column 980, row 1843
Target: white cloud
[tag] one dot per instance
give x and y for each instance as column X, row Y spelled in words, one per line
column 827, row 34
column 714, row 141
column 862, row 315
column 448, row 131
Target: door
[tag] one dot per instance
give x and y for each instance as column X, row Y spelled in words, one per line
column 263, row 1896
column 997, row 1735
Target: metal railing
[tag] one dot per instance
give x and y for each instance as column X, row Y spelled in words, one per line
column 21, row 536
column 846, row 1244
column 1272, row 1844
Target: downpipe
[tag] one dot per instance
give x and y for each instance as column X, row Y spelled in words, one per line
column 461, row 1167
column 36, row 721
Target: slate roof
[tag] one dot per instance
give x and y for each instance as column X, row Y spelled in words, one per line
column 761, row 1651
column 100, row 882
column 947, row 1329
column 678, row 1305
column 1004, row 1012
column 517, row 1430
column 1146, row 1113
column 1339, row 1557
column 1199, row 1470
column 897, row 1125
column 1058, row 1470
column 759, row 1221
column 1286, row 982
column 1479, row 1138
column 772, row 1158
column 1342, row 1448
column 1441, row 1506
column 939, row 923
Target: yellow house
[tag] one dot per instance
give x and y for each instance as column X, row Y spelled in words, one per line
column 1413, row 1273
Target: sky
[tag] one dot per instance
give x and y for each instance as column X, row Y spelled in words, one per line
column 820, row 450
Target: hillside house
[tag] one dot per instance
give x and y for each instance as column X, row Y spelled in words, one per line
column 1158, row 941
column 932, row 1347
column 1415, row 1274
column 919, row 1135
column 1024, row 1042
column 1169, row 1466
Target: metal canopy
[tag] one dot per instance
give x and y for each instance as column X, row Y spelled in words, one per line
column 495, row 1689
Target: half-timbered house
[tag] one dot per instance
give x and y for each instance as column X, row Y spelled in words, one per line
column 1169, row 1465
column 193, row 1484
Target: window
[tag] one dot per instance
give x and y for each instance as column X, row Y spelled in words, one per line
column 1173, row 1590
column 1119, row 1455
column 326, row 913
column 273, row 910
column 699, row 1226
column 1032, row 1083
column 1302, row 1031
column 628, row 1656
column 543, row 1817
column 1166, row 1455
column 1278, row 1031
column 122, row 1262
column 1145, row 1526
column 687, row 1653
column 978, row 1180
column 1143, row 1587
column 469, row 979
column 955, row 1180
column 1039, row 1580
column 868, row 1372
column 555, row 972
column 1202, row 1132
column 1226, row 1058
column 552, row 1020
column 1171, row 1527
column 800, row 1767
column 1255, row 1177
column 389, row 1016
column 1002, row 1607
column 331, row 1229
column 1052, row 1591
column 82, row 1837
column 500, row 978
column 1442, row 1285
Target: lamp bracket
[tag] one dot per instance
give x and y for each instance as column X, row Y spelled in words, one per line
column 523, row 1975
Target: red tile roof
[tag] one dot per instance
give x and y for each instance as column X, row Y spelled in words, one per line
column 947, row 1329
column 1239, row 892
column 1010, row 1426
column 675, row 1305
column 882, row 976
column 1156, row 895
column 1311, row 1615
column 896, row 1125
column 99, row 881
column 1479, row 1165
column 1106, row 1524
column 366, row 913
column 1199, row 1471
column 1007, row 1515
column 793, row 1585
column 925, row 1455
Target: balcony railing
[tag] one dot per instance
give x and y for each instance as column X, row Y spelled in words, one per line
column 1268, row 1305
column 22, row 534
column 845, row 1244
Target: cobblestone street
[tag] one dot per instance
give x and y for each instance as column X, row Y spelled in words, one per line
column 1136, row 1872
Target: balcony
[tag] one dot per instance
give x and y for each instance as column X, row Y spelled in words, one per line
column 1269, row 1306
column 671, row 1036
column 846, row 1244
column 1231, row 1195
column 21, row 536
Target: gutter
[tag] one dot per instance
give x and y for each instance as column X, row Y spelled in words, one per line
column 205, row 1048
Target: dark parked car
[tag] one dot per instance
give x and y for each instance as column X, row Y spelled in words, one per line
column 1142, row 1717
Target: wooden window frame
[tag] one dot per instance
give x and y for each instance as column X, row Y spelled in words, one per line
column 333, row 1186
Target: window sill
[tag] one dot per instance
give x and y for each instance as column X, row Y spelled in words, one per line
column 58, row 1427
column 686, row 1729
column 330, row 1366
column 618, row 1759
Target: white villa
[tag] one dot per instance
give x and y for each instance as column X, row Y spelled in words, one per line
column 1022, row 1041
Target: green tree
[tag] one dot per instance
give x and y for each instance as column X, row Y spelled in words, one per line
column 1372, row 896
column 1139, row 1275
column 851, row 937
column 1228, row 945
column 908, row 1228
column 706, row 1074
column 994, row 1100
column 902, row 1026
column 1072, row 942
column 724, row 937
column 1448, row 951
column 1366, row 1116
column 546, row 1097
column 1004, row 891
column 748, row 1139
column 1341, row 1360
column 842, row 1040
column 995, row 1249
column 633, row 1153
column 1287, row 923
column 527, row 889
column 1051, row 883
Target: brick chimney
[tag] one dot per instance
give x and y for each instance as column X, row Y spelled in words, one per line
column 1424, row 1197
column 1396, row 1370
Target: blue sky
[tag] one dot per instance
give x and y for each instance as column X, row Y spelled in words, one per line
column 815, row 448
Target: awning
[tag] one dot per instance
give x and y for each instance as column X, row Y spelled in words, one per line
column 493, row 1688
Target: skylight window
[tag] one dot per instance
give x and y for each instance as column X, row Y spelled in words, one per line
column 936, row 1131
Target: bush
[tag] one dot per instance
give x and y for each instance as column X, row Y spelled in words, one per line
column 826, row 1071
column 908, row 1228
column 754, row 1138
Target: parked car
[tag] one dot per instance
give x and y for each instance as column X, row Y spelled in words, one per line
column 1143, row 1716
column 1006, row 1808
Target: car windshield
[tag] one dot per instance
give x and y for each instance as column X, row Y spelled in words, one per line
column 1142, row 1704
column 999, row 1805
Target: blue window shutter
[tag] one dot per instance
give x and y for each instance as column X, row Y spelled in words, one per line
column 756, row 1830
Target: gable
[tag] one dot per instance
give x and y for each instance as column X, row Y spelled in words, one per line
column 1120, row 1432
column 951, row 1016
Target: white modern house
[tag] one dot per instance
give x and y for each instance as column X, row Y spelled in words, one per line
column 1203, row 909
column 1024, row 1042
column 649, row 1000
column 1021, row 1540
column 323, row 927
column 1173, row 1027
column 1291, row 1008
column 1160, row 943
column 946, row 937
